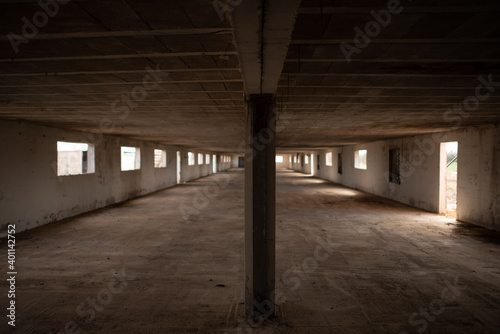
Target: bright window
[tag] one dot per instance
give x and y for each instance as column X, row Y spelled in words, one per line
column 306, row 159
column 160, row 158
column 190, row 159
column 200, row 159
column 360, row 159
column 279, row 159
column 328, row 159
column 131, row 158
column 294, row 159
column 75, row 158
column 207, row 159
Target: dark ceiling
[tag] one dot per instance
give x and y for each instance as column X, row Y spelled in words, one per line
column 87, row 69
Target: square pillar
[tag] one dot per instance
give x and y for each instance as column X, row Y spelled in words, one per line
column 260, row 202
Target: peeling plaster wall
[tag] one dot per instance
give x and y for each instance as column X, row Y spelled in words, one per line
column 31, row 193
column 478, row 172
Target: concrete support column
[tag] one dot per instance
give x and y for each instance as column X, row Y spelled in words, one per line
column 260, row 201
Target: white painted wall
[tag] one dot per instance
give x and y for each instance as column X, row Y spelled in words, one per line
column 478, row 172
column 31, row 193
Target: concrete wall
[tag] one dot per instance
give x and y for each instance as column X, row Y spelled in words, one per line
column 235, row 160
column 478, row 197
column 301, row 164
column 227, row 164
column 31, row 193
column 285, row 163
column 195, row 171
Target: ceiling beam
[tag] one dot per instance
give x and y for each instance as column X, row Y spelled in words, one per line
column 123, row 83
column 284, row 75
column 393, row 60
column 262, row 32
column 420, row 97
column 400, row 41
column 121, row 56
column 130, row 33
column 398, row 86
column 58, row 74
column 407, row 9
column 119, row 92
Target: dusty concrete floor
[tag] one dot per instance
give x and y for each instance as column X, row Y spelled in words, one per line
column 347, row 262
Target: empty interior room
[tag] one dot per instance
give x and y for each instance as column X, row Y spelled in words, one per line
column 250, row 166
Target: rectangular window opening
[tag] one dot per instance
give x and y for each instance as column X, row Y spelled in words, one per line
column 360, row 159
column 394, row 166
column 75, row 158
column 448, row 178
column 207, row 159
column 130, row 158
column 306, row 159
column 191, row 159
column 160, row 158
column 200, row 159
column 279, row 159
column 328, row 159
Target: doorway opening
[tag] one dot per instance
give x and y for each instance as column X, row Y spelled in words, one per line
column 178, row 167
column 312, row 164
column 448, row 177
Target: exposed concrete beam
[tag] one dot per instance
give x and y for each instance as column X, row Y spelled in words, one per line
column 118, row 92
column 396, row 86
column 279, row 22
column 133, row 33
column 87, row 102
column 400, row 41
column 121, row 56
column 341, row 108
column 378, row 75
column 122, row 83
column 262, row 32
column 58, row 74
column 393, row 60
column 245, row 20
column 419, row 97
column 407, row 9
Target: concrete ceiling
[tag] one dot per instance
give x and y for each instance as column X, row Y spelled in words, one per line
column 82, row 65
